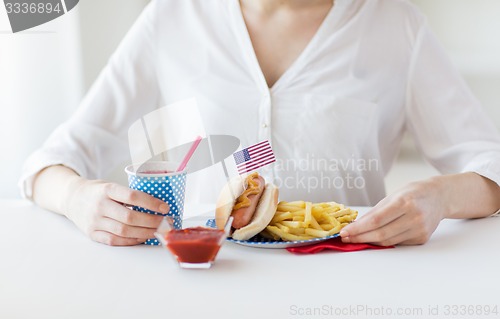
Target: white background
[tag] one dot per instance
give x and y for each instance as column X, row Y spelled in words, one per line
column 45, row 71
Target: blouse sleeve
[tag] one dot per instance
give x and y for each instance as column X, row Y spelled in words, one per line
column 446, row 120
column 94, row 140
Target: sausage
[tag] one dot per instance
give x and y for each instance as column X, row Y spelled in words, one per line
column 242, row 216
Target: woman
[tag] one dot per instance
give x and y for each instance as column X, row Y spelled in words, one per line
column 326, row 82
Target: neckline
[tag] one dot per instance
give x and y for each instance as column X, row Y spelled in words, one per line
column 298, row 64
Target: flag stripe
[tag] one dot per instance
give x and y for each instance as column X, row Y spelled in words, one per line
column 248, row 169
column 258, row 158
column 259, row 165
column 258, row 144
column 253, row 165
column 261, row 144
column 260, row 151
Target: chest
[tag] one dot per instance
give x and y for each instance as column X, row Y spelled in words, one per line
column 316, row 73
column 279, row 40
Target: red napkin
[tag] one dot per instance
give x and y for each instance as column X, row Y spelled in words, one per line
column 333, row 244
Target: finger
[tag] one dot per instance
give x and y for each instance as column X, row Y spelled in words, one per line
column 376, row 218
column 396, row 227
column 129, row 196
column 113, row 240
column 123, row 230
column 415, row 240
column 130, row 217
column 413, row 236
column 396, row 240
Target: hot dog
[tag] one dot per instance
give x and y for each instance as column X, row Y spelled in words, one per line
column 251, row 202
column 246, row 203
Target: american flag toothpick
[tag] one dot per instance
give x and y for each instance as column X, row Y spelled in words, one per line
column 253, row 157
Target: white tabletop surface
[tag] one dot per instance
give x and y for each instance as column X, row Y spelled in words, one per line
column 49, row 269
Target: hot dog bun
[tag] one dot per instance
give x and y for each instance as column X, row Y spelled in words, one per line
column 262, row 211
column 225, row 202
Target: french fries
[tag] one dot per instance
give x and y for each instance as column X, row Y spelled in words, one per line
column 302, row 220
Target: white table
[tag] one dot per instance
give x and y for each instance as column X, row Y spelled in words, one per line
column 49, row 269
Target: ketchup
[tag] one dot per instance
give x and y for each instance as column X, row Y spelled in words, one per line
column 194, row 245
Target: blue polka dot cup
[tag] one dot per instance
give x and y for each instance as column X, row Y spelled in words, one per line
column 159, row 179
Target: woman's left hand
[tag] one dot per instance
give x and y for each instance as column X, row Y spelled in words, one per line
column 407, row 217
column 410, row 216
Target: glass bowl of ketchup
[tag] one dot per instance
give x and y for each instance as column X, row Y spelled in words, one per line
column 193, row 247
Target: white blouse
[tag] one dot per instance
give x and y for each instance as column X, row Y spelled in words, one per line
column 335, row 118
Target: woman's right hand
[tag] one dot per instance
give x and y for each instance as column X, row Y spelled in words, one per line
column 101, row 210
